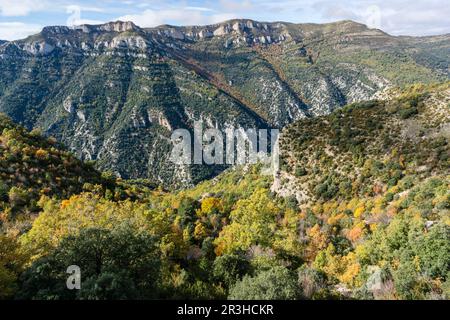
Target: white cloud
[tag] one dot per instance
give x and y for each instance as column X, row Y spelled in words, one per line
column 200, row 9
column 77, row 22
column 397, row 17
column 185, row 16
column 232, row 5
column 421, row 17
column 17, row 30
column 15, row 8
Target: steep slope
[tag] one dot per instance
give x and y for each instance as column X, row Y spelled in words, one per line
column 114, row 92
column 367, row 148
column 111, row 96
column 34, row 168
column 31, row 166
column 365, row 202
column 288, row 70
column 108, row 94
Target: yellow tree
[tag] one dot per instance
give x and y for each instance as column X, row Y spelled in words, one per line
column 12, row 261
column 253, row 221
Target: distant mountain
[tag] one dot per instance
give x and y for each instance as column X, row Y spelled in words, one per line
column 114, row 92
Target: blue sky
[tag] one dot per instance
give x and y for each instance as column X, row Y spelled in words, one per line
column 19, row 18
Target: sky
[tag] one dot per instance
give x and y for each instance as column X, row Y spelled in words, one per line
column 20, row 18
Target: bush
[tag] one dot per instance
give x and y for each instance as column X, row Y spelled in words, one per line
column 433, row 249
column 311, row 282
column 300, row 172
column 408, row 113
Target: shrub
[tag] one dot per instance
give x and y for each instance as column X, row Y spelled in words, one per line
column 408, row 113
column 311, row 282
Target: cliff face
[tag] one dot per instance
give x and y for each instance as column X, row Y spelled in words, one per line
column 114, row 92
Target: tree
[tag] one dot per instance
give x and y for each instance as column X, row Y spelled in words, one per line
column 433, row 250
column 114, row 264
column 230, row 268
column 407, row 282
column 253, row 222
column 12, row 261
column 312, row 283
column 18, row 197
column 187, row 211
column 211, row 205
column 277, row 283
column 60, row 219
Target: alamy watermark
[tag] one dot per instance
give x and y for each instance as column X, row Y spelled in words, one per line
column 74, row 280
column 372, row 16
column 231, row 146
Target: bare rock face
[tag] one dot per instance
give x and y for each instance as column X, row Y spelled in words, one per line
column 81, row 115
column 205, row 34
column 38, row 48
column 68, row 105
column 237, row 26
column 222, row 30
column 132, row 42
column 55, row 30
column 83, row 28
column 176, row 34
column 118, row 26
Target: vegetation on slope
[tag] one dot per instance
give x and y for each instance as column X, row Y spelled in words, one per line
column 385, row 235
column 32, row 166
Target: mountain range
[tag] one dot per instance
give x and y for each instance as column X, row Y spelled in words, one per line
column 113, row 93
column 359, row 210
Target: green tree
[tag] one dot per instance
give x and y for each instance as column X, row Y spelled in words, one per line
column 433, row 249
column 277, row 283
column 12, row 261
column 230, row 268
column 253, row 222
column 117, row 264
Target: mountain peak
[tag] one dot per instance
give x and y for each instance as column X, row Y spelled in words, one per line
column 114, row 26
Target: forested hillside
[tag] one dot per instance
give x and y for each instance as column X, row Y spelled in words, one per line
column 360, row 209
column 32, row 166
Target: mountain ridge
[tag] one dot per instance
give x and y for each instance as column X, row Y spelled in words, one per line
column 109, row 90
